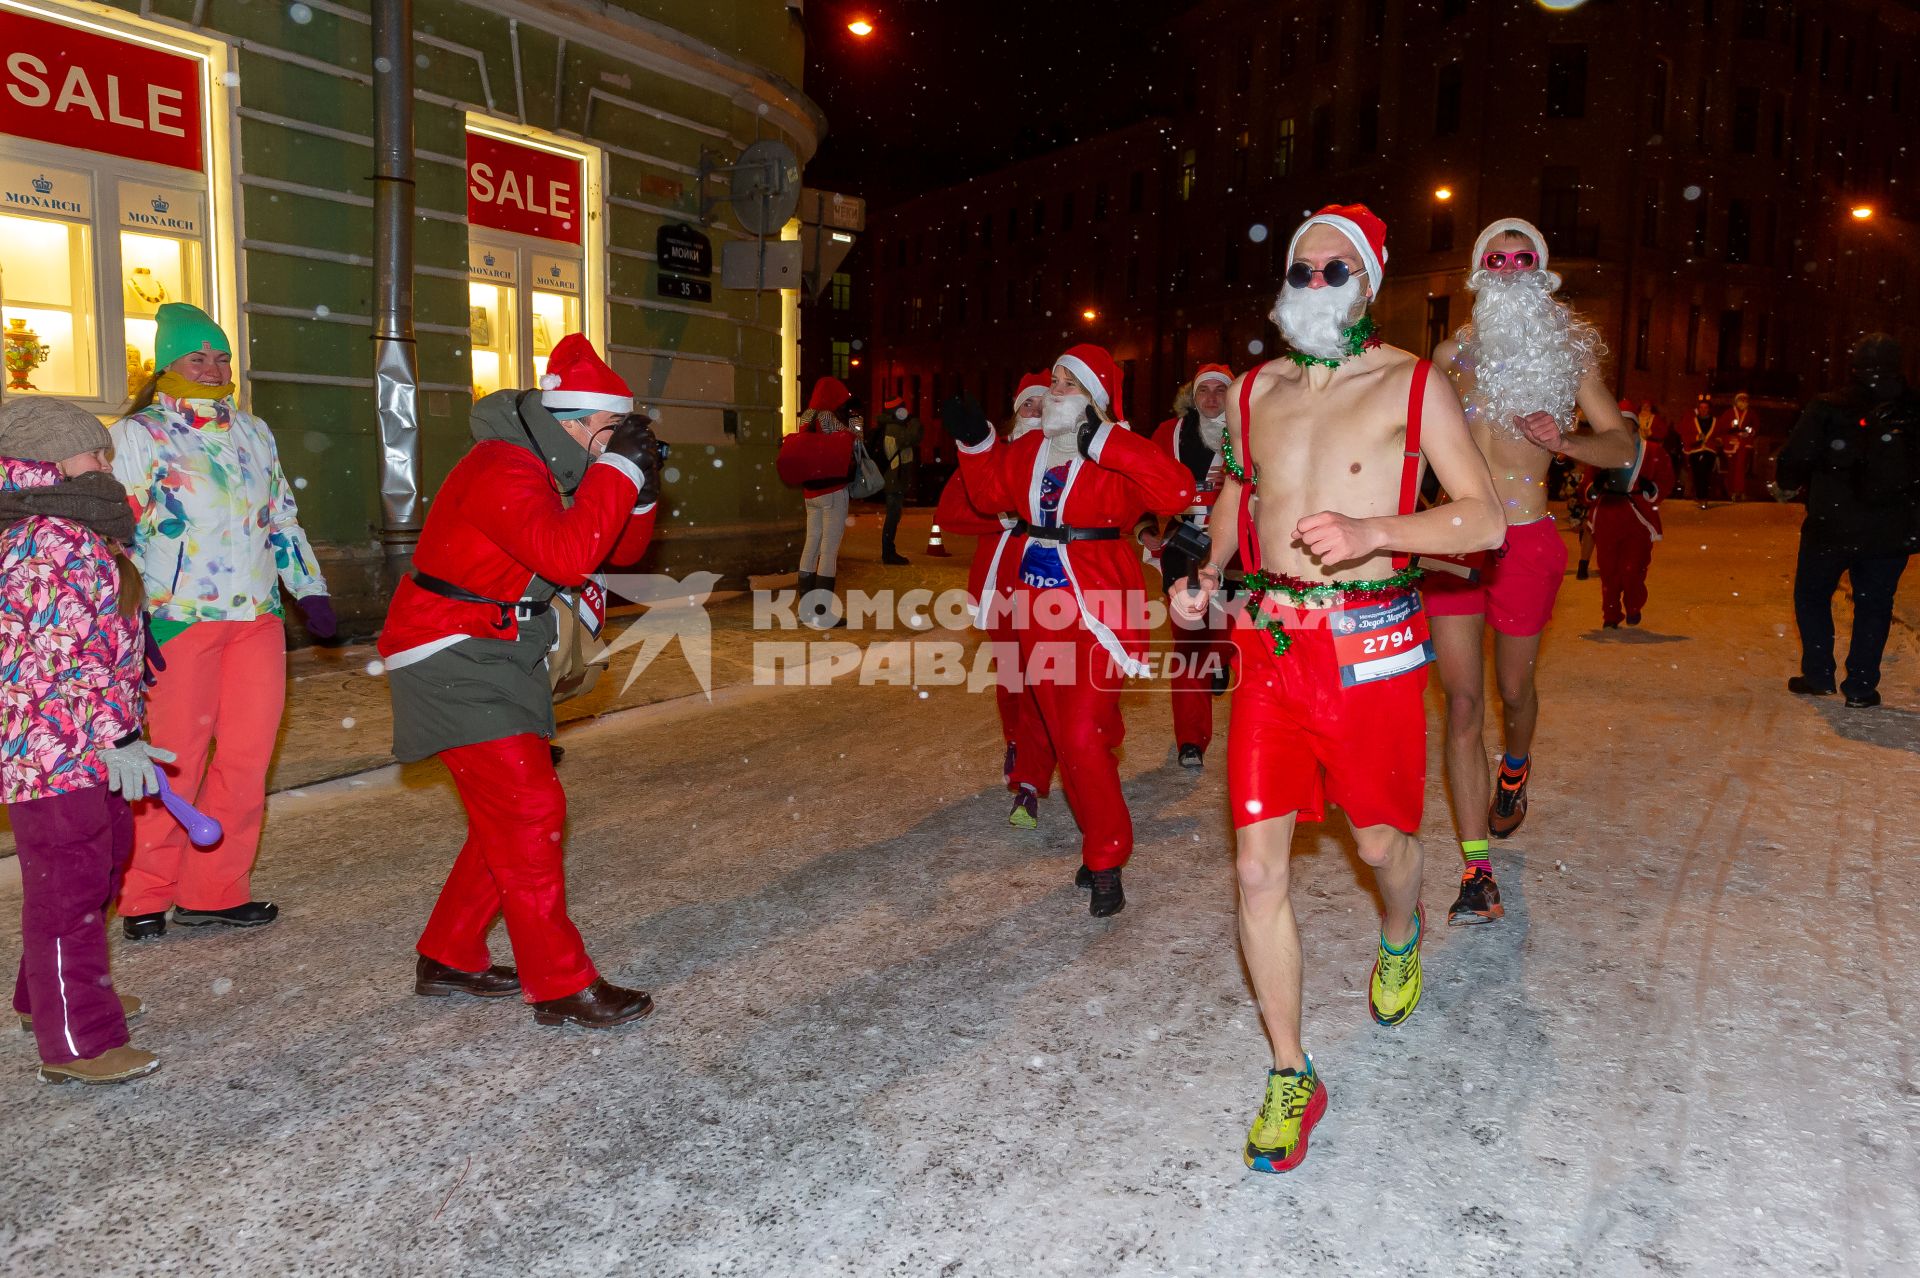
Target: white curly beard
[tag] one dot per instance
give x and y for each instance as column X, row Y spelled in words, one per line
column 1528, row 351
column 1316, row 320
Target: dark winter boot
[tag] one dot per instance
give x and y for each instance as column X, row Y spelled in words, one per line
column 829, row 619
column 1108, row 899
column 1580, row 573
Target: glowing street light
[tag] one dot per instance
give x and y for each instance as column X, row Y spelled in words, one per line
column 1443, row 194
column 860, row 27
column 1861, row 212
column 1089, row 314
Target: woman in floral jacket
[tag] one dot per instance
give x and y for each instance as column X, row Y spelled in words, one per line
column 217, row 536
column 70, row 661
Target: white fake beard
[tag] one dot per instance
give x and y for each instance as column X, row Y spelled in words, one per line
column 1529, row 351
column 1023, row 425
column 1315, row 320
column 1060, row 419
column 1213, row 430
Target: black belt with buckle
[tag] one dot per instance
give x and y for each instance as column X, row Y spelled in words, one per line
column 1065, row 534
column 510, row 609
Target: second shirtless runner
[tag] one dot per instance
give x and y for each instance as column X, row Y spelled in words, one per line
column 1323, row 460
column 1521, row 367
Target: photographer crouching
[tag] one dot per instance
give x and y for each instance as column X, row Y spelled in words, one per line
column 559, row 482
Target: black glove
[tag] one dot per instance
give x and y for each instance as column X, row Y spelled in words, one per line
column 1088, row 429
column 633, row 439
column 965, row 422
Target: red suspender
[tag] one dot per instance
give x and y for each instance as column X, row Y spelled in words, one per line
column 1410, row 465
column 1249, row 536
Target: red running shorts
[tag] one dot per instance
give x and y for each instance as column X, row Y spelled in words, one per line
column 1517, row 588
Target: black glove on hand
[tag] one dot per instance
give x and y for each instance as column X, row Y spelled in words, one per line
column 1088, row 429
column 633, row 439
column 965, row 422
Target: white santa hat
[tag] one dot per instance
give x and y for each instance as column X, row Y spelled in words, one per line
column 578, row 381
column 1363, row 229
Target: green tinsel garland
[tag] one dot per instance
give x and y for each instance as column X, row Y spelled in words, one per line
column 1360, row 337
column 1300, row 591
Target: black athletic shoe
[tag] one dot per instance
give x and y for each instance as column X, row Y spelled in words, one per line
column 1108, row 899
column 1479, row 900
column 1863, row 700
column 1191, row 756
column 252, row 914
column 1633, row 619
column 1083, row 877
column 1808, row 688
column 1580, row 573
column 144, row 927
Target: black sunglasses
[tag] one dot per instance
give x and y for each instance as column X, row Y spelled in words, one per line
column 1335, row 273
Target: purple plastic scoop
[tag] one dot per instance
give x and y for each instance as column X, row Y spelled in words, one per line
column 202, row 829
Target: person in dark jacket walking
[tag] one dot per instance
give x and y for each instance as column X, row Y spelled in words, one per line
column 1856, row 453
column 900, row 450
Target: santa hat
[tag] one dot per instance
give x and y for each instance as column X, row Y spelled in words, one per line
column 1031, row 386
column 577, row 379
column 1213, row 373
column 830, row 395
column 1509, row 226
column 1626, row 406
column 1095, row 370
column 1367, row 234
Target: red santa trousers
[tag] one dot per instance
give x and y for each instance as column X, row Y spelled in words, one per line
column 1624, row 547
column 224, row 686
column 1075, row 693
column 512, row 865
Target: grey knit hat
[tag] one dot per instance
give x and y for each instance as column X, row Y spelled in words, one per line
column 42, row 428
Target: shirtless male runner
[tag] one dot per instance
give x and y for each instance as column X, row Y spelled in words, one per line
column 1521, row 368
column 1323, row 461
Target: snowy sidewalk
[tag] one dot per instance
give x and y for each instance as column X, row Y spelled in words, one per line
column 891, row 1041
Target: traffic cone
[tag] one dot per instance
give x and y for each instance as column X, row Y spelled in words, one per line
column 934, row 546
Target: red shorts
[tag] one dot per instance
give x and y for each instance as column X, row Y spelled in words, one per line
column 1516, row 589
column 1298, row 738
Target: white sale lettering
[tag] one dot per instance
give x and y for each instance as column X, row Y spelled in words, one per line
column 519, row 191
column 27, row 84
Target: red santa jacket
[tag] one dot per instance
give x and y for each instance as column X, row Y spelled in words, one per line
column 959, row 517
column 499, row 522
column 1654, row 482
column 1128, row 477
column 1732, row 432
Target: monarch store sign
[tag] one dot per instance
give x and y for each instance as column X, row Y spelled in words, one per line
column 91, row 91
column 523, row 189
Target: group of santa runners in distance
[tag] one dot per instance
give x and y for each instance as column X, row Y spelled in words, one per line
column 1285, row 508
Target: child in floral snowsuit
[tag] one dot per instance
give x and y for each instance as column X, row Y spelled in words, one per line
column 70, row 749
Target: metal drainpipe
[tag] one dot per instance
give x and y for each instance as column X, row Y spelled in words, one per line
column 396, row 380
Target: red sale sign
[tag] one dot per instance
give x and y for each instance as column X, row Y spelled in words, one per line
column 82, row 89
column 523, row 189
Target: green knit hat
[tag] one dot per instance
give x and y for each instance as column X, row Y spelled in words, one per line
column 184, row 329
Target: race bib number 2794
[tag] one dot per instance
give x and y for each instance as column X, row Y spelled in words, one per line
column 1378, row 641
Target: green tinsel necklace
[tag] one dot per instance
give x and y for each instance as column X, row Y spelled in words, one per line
column 1359, row 338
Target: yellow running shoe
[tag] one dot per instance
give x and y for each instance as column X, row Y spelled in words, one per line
column 1395, row 989
column 1295, row 1101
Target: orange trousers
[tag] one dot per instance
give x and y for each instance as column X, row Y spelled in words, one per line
column 224, row 687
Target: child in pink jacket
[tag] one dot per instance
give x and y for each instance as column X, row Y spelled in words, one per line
column 71, row 756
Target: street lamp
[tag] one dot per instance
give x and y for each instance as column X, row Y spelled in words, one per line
column 1861, row 212
column 860, row 27
column 1089, row 314
column 1443, row 194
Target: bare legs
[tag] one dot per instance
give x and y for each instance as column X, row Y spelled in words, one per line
column 1462, row 663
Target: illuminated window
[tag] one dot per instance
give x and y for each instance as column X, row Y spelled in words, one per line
column 843, row 360
column 1283, row 149
column 841, row 297
column 1189, row 173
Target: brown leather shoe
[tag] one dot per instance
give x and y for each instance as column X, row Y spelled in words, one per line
column 599, row 1006
column 115, row 1065
column 130, row 1007
column 437, row 980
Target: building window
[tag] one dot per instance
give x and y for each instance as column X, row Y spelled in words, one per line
column 1283, row 149
column 1560, row 202
column 1566, row 81
column 1066, row 211
column 1137, row 191
column 1451, row 9
column 1100, row 201
column 104, row 228
column 1446, row 100
column 1693, row 339
column 1039, row 217
column 916, row 314
column 1133, row 278
column 1323, row 136
column 1746, row 121
column 1753, row 19
column 1230, row 261
column 841, row 295
column 1366, row 124
column 1658, row 93
column 526, row 254
column 1698, row 245
column 1012, row 297
column 986, row 230
column 1242, row 158
column 1642, row 333
column 1189, row 173
column 900, row 253
column 1439, row 320
column 1650, row 219
column 1727, row 355
column 1440, row 230
column 843, row 360
column 1739, row 231
column 1325, row 23
column 1760, row 327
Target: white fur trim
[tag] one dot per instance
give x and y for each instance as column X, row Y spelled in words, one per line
column 1376, row 266
column 1100, row 438
column 420, row 652
column 1519, row 226
column 1084, row 375
column 622, row 465
column 549, row 381
column 585, row 399
column 1213, row 375
column 1030, row 392
column 980, row 447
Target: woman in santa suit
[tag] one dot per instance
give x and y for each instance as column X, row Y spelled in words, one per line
column 559, row 482
column 1078, row 597
column 1029, row 761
